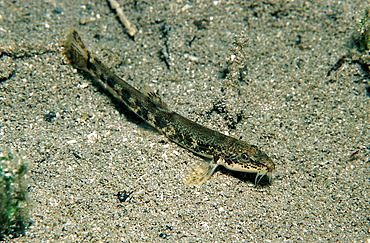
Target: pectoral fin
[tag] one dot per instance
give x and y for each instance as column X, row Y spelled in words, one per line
column 201, row 173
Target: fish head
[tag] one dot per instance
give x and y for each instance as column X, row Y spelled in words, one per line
column 243, row 157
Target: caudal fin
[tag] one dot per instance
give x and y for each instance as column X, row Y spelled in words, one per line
column 75, row 50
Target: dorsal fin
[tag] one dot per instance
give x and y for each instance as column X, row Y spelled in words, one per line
column 154, row 98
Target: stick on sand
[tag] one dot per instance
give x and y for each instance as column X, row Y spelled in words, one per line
column 131, row 29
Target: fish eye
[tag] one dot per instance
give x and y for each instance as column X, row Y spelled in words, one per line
column 245, row 156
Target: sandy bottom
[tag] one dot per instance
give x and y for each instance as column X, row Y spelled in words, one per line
column 250, row 69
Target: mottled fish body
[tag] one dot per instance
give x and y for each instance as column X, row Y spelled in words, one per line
column 223, row 150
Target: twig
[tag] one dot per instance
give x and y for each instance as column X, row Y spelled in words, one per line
column 131, row 29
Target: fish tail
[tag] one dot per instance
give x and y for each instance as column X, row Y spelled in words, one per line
column 75, row 51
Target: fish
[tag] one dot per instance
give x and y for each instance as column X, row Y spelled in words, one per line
column 216, row 148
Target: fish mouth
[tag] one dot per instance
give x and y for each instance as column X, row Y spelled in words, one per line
column 262, row 174
column 270, row 167
column 267, row 171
